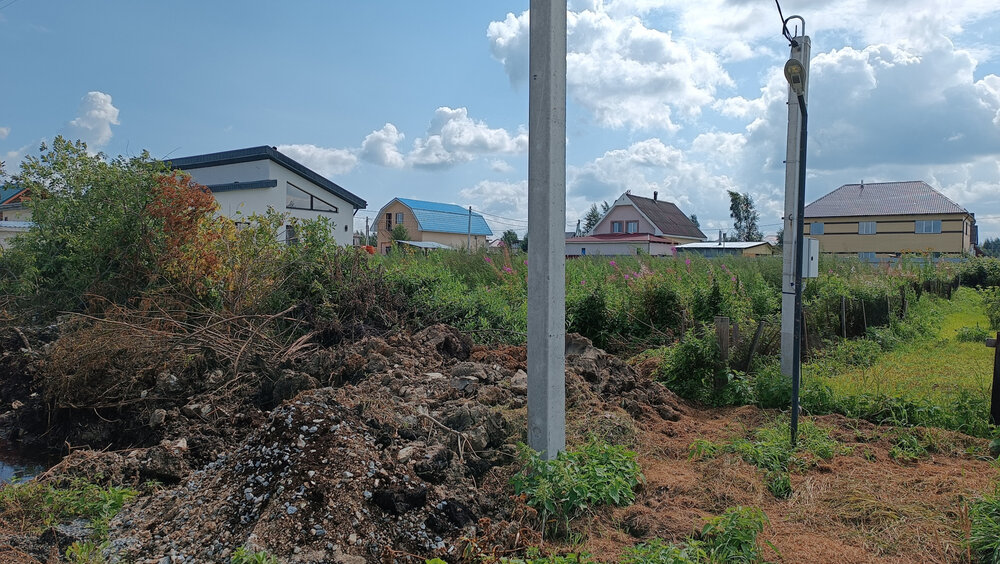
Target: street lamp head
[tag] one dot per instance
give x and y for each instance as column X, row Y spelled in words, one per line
column 795, row 74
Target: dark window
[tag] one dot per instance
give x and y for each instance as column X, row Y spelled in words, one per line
column 816, row 228
column 399, row 218
column 298, row 199
column 388, row 222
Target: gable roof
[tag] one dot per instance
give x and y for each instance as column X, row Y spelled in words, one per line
column 914, row 197
column 261, row 153
column 8, row 191
column 445, row 218
column 724, row 245
column 667, row 217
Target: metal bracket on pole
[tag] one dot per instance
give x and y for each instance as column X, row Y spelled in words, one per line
column 547, row 227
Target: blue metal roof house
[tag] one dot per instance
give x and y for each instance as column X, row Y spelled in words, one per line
column 447, row 225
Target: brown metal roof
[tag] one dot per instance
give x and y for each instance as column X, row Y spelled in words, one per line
column 667, row 217
column 883, row 198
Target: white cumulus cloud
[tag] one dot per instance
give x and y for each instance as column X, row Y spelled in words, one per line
column 453, row 138
column 326, row 161
column 94, row 120
column 382, row 147
column 623, row 72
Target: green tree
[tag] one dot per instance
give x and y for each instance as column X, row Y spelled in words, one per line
column 101, row 228
column 745, row 217
column 991, row 247
column 591, row 218
column 524, row 243
column 694, row 220
column 510, row 239
column 399, row 233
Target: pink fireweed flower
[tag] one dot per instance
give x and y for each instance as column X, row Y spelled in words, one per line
column 733, row 278
column 613, row 263
column 488, row 259
column 687, row 262
column 583, row 282
column 508, row 269
column 626, row 277
column 525, row 262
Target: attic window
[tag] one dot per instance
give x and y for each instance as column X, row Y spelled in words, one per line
column 631, row 226
column 616, row 227
column 298, row 199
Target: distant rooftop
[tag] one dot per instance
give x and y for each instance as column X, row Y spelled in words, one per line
column 258, row 154
column 667, row 217
column 446, row 218
column 723, row 245
column 883, row 198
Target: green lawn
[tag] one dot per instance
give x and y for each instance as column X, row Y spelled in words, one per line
column 934, row 368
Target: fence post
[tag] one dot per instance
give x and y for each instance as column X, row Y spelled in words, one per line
column 722, row 335
column 754, row 344
column 902, row 302
column 864, row 316
column 843, row 317
column 995, row 392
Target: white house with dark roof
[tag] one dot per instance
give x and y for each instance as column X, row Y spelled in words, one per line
column 885, row 219
column 432, row 225
column 634, row 224
column 249, row 181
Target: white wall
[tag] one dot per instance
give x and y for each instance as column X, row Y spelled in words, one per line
column 244, row 203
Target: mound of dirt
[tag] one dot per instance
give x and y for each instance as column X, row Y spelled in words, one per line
column 411, row 455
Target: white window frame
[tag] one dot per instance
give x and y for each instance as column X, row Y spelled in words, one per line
column 617, row 227
column 632, row 226
column 867, row 227
column 399, row 218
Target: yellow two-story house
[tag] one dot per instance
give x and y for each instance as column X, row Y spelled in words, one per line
column 886, row 219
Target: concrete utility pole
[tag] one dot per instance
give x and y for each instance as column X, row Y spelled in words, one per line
column 468, row 238
column 367, row 236
column 793, row 224
column 547, row 225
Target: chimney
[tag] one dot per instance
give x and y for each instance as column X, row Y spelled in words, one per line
column 654, row 195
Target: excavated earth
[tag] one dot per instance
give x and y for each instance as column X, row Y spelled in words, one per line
column 400, row 449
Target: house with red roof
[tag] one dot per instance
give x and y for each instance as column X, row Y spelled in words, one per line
column 637, row 225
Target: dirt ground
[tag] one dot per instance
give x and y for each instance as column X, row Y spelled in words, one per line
column 400, row 448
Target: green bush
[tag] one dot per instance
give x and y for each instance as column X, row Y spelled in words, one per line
column 589, row 317
column 45, row 505
column 975, row 334
column 991, row 300
column 562, row 488
column 243, row 555
column 769, row 448
column 690, row 367
column 730, row 537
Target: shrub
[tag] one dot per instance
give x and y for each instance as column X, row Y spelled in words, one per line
column 690, row 367
column 243, row 555
column 43, row 505
column 769, row 448
column 730, row 537
column 562, row 488
column 991, row 300
column 975, row 334
column 589, row 317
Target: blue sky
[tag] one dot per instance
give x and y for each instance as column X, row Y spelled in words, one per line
column 429, row 100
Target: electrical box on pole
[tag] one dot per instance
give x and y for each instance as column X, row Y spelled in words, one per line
column 547, row 226
column 810, row 257
column 800, row 52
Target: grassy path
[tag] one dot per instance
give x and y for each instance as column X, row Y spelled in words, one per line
column 935, row 368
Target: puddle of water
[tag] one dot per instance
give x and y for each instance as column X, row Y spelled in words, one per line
column 17, row 464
